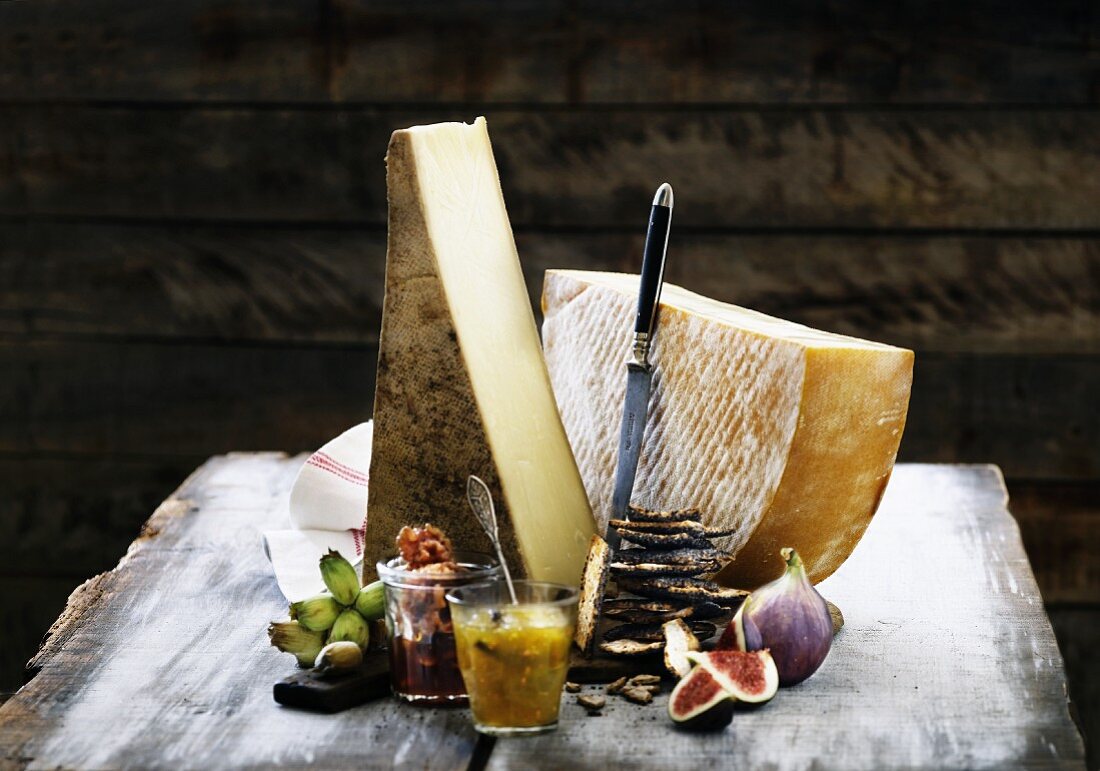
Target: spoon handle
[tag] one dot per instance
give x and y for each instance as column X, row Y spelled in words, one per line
column 481, row 501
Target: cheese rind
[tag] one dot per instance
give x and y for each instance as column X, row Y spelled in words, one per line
column 462, row 386
column 784, row 433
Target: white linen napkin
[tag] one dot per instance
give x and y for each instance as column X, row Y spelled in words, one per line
column 327, row 510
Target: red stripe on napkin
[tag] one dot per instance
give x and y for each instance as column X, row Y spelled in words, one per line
column 347, row 473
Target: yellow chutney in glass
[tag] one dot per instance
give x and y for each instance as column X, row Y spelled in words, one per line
column 514, row 657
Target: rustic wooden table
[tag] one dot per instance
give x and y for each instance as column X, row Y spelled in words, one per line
column 947, row 659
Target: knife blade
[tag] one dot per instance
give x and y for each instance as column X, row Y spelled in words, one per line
column 639, row 372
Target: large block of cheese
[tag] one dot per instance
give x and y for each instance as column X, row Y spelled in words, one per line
column 784, row 432
column 462, row 385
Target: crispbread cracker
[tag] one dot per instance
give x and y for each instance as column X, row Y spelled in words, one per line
column 593, row 581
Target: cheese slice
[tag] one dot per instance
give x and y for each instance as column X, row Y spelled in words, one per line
column 785, row 433
column 462, row 386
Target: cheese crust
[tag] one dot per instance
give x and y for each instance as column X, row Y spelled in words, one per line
column 784, row 434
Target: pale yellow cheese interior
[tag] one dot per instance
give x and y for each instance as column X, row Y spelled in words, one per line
column 462, row 385
column 785, row 433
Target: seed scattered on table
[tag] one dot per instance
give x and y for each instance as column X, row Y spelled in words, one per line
column 592, row 702
column 617, row 686
column 637, row 694
column 572, row 687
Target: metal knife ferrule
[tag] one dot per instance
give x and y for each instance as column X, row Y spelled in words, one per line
column 640, row 350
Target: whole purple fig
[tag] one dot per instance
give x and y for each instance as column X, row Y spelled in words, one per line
column 789, row 618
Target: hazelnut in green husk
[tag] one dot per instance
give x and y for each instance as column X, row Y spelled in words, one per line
column 371, row 601
column 352, row 627
column 340, row 578
column 338, row 658
column 317, row 613
column 292, row 637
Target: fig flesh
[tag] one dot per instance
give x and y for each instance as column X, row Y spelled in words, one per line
column 700, row 703
column 748, row 677
column 787, row 617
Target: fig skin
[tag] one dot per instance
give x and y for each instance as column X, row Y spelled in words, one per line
column 714, row 719
column 713, row 711
column 788, row 617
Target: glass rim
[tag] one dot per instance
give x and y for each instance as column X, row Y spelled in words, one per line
column 479, row 567
column 571, row 594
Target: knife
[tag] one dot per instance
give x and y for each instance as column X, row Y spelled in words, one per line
column 639, row 373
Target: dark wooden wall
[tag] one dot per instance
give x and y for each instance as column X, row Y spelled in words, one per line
column 192, row 214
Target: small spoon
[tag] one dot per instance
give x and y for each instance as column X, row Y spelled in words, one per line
column 481, row 501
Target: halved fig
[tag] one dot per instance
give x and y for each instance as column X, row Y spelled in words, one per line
column 638, row 514
column 700, row 703
column 747, row 676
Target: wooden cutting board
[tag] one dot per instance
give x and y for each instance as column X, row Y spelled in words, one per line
column 305, row 690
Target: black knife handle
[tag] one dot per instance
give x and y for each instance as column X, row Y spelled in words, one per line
column 653, row 269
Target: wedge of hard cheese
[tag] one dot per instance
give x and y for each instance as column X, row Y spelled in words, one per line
column 783, row 432
column 462, row 385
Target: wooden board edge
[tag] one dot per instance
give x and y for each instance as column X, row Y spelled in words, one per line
column 87, row 595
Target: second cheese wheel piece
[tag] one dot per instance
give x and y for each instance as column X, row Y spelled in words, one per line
column 782, row 433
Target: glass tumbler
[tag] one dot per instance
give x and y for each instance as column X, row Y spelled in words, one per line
column 514, row 656
column 423, row 664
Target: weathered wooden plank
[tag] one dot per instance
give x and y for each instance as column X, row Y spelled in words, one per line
column 950, row 293
column 30, row 606
column 164, row 662
column 946, row 660
column 1031, row 415
column 149, row 400
column 957, row 574
column 1036, row 415
column 1036, row 169
column 552, row 52
column 1060, row 525
column 183, row 282
column 1057, row 514
column 71, row 516
column 1078, row 631
column 932, row 294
